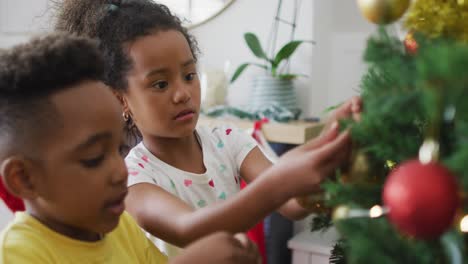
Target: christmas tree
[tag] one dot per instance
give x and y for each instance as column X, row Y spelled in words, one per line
column 403, row 196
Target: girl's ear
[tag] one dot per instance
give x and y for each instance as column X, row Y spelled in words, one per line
column 17, row 177
column 122, row 100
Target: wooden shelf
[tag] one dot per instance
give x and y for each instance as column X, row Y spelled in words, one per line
column 297, row 132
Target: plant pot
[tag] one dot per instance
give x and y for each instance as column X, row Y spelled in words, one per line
column 268, row 91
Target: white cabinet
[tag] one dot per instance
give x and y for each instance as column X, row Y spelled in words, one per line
column 312, row 248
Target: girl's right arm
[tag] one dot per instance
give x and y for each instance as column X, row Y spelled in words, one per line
column 297, row 173
column 220, row 248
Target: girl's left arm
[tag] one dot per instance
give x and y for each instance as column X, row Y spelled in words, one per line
column 252, row 166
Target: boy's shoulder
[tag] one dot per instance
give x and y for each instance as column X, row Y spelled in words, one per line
column 27, row 235
column 18, row 230
column 130, row 237
column 26, row 240
column 22, row 241
column 128, row 228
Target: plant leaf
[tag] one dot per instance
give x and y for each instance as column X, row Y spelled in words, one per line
column 255, row 46
column 289, row 76
column 241, row 69
column 287, row 50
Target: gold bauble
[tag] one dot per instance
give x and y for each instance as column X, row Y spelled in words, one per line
column 314, row 203
column 358, row 169
column 383, row 11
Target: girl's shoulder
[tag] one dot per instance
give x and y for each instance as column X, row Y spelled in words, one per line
column 143, row 167
column 136, row 153
column 226, row 139
column 220, row 132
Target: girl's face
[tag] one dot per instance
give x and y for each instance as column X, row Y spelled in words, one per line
column 164, row 90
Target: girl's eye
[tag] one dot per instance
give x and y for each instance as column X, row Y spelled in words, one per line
column 92, row 163
column 160, row 85
column 190, row 76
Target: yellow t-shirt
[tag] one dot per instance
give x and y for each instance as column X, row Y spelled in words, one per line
column 26, row 240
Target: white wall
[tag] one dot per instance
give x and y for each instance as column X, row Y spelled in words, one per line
column 222, row 40
column 20, row 19
column 334, row 64
column 5, row 215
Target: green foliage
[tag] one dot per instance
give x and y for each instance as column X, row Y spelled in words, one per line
column 338, row 253
column 270, row 64
column 321, row 222
column 376, row 241
column 405, row 98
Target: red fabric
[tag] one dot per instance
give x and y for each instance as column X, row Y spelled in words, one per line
column 15, row 204
column 257, row 234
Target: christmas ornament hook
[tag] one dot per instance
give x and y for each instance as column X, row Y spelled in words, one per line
column 429, row 151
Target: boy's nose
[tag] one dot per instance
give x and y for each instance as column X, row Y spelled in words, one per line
column 120, row 174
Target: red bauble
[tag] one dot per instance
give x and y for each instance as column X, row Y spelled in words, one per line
column 422, row 199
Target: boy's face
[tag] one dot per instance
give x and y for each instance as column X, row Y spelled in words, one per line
column 164, row 89
column 82, row 179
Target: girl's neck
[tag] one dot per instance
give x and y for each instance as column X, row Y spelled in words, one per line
column 183, row 153
column 163, row 146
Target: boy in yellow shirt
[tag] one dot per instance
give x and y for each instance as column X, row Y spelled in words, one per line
column 60, row 137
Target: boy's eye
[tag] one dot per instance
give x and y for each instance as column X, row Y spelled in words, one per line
column 92, row 163
column 190, row 76
column 160, row 85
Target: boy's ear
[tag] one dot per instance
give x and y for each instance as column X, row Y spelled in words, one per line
column 17, row 178
column 122, row 100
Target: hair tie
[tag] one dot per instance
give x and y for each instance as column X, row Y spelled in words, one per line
column 112, row 7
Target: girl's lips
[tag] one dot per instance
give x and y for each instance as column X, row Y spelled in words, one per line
column 185, row 115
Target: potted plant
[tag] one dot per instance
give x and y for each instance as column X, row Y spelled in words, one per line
column 276, row 86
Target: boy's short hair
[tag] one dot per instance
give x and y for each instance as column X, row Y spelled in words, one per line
column 31, row 72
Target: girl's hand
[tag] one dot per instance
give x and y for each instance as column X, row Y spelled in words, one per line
column 306, row 166
column 220, row 248
column 349, row 109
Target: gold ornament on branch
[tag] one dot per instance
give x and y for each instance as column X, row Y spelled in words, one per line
column 356, row 172
column 383, row 11
column 436, row 18
column 315, row 203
